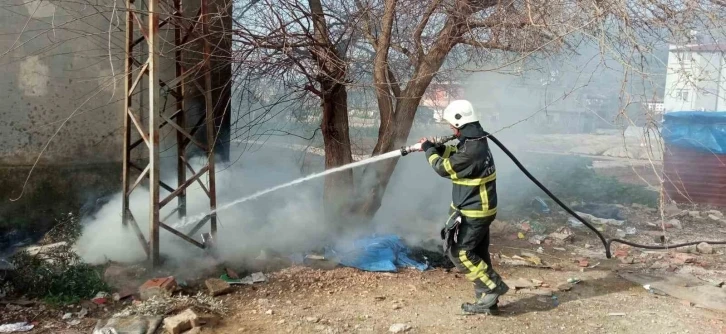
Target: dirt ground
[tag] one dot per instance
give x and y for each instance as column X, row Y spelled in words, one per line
column 344, row 300
column 303, row 300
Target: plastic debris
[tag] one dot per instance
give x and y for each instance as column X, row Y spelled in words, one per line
column 16, row 327
column 630, row 230
column 573, row 280
column 257, row 277
column 539, row 204
column 616, row 314
column 537, row 239
column 620, row 233
column 555, row 301
column 573, row 222
column 540, row 250
column 600, row 211
column 128, row 325
column 376, row 253
column 67, row 316
column 601, row 221
column 520, row 235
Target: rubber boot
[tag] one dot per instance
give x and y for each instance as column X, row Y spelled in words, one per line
column 486, row 303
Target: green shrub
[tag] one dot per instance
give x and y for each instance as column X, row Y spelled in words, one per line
column 58, row 276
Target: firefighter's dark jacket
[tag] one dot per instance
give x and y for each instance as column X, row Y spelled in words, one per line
column 470, row 166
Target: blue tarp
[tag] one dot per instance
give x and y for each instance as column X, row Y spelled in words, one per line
column 375, row 253
column 702, row 131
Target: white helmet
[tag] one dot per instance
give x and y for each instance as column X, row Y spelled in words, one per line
column 460, row 112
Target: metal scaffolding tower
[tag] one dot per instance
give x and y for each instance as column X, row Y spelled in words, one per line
column 189, row 33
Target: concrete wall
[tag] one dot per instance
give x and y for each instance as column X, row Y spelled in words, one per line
column 58, row 67
column 62, row 70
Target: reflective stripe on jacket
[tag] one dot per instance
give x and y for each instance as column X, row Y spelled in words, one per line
column 470, row 166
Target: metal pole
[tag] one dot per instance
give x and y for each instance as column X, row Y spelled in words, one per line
column 129, row 65
column 154, row 116
column 211, row 133
column 181, row 118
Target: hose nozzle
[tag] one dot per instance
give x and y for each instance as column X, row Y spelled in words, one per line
column 411, row 148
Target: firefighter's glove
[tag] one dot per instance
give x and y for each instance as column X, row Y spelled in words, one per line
column 425, row 144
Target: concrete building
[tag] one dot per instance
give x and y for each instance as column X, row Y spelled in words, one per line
column 696, row 78
column 62, row 93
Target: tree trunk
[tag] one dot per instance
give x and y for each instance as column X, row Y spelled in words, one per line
column 338, row 186
column 377, row 176
column 332, row 71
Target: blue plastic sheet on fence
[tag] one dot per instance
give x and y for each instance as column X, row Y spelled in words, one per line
column 375, row 253
column 698, row 130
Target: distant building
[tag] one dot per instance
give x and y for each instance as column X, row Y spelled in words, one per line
column 655, row 107
column 696, row 78
column 439, row 95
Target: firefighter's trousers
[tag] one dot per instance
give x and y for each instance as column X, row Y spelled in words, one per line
column 469, row 252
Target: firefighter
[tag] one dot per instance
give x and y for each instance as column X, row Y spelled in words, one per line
column 470, row 166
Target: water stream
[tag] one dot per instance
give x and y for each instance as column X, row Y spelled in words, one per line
column 191, row 220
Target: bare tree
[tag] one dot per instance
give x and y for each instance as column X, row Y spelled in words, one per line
column 398, row 48
column 300, row 48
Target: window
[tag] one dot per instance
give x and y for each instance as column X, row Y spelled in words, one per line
column 682, row 95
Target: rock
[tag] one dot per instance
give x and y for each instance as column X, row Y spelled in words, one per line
column 695, row 214
column 683, row 258
column 181, row 322
column 396, row 307
column 217, row 286
column 714, row 217
column 269, row 312
column 313, row 320
column 67, row 316
column 675, row 223
column 157, row 287
column 562, row 235
column 627, row 260
column 399, row 328
column 565, row 286
column 704, row 248
column 716, row 213
column 231, row 273
column 671, row 209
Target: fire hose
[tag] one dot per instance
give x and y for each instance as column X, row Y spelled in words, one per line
column 605, row 242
